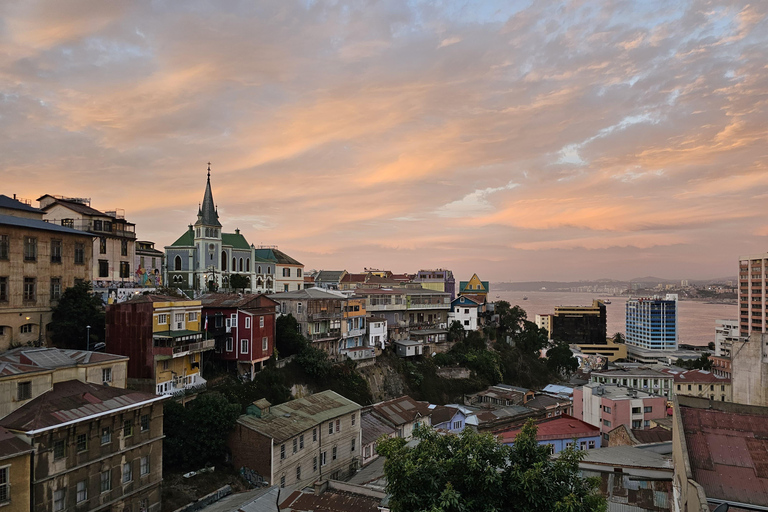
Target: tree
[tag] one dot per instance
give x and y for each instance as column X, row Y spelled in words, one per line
column 238, row 282
column 473, row 472
column 711, row 346
column 455, row 331
column 701, row 363
column 197, row 434
column 560, row 359
column 618, row 338
column 77, row 309
column 288, row 337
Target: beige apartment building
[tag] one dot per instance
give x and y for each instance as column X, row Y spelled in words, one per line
column 753, row 302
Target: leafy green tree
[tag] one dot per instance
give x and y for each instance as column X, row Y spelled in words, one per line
column 77, row 309
column 238, row 282
column 197, row 434
column 701, row 363
column 473, row 472
column 510, row 320
column 288, row 337
column 618, row 338
column 560, row 359
column 455, row 331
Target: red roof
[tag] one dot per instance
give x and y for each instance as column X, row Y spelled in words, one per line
column 728, row 453
column 561, row 427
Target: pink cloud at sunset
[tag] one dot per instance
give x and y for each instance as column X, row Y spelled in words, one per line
column 519, row 140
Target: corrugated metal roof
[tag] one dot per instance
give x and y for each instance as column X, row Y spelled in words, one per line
column 22, row 222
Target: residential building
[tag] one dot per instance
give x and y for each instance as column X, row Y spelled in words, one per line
column 500, row 395
column 719, row 453
column 580, row 324
column 373, row 428
column 354, row 343
column 409, row 348
column 404, row 414
column 440, row 280
column 113, row 239
column 559, row 433
column 545, row 322
column 702, row 384
column 289, row 273
column 163, row 337
column 448, row 418
column 750, row 370
column 95, row 447
column 466, row 310
column 28, row 372
column 328, row 279
column 652, row 322
column 474, row 286
column 753, row 294
column 493, row 420
column 149, row 264
column 726, row 332
column 550, row 406
column 15, row 470
column 609, row 405
column 626, row 436
column 389, row 304
column 426, row 309
column 636, row 377
column 38, row 261
column 377, row 331
column 301, row 441
column 243, row 327
column 319, row 314
column 631, row 478
column 721, row 366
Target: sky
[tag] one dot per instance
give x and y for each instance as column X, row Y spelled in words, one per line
column 556, row 140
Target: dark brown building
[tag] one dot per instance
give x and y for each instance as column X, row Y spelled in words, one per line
column 95, row 448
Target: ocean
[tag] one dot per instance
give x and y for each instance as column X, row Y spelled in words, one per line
column 696, row 319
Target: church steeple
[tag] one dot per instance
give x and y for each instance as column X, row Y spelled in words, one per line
column 207, row 214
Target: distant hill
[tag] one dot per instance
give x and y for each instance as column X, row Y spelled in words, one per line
column 532, row 286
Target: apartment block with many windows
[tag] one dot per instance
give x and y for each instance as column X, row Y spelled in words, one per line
column 753, row 302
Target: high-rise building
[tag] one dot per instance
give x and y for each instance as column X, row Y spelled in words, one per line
column 752, row 293
column 580, row 324
column 652, row 322
column 726, row 332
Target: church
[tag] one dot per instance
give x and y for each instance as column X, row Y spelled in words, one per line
column 205, row 258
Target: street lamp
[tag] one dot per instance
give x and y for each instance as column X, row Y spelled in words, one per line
column 88, row 337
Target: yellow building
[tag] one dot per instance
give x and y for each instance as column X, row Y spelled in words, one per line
column 474, row 287
column 164, row 338
column 594, row 355
column 15, row 470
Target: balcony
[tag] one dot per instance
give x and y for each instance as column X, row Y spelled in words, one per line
column 429, row 306
column 191, row 348
column 324, row 315
column 182, row 385
column 328, row 335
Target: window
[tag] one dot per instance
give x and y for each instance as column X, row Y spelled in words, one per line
column 106, row 374
column 166, row 365
column 314, row 464
column 82, row 442
column 58, row 500
column 295, row 445
column 322, row 459
column 55, row 251
column 30, row 289
column 127, row 428
column 162, row 319
column 606, row 423
column 192, row 317
column 261, row 322
column 264, row 344
column 144, row 422
column 285, row 287
column 5, row 490
column 637, row 423
column 299, row 308
column 55, row 288
column 124, row 247
column 301, row 442
column 4, row 289
column 282, row 451
column 30, row 248
column 286, row 272
column 648, row 408
column 338, row 425
column 103, row 268
column 314, row 435
column 177, row 263
column 244, row 346
column 5, row 245
column 607, row 409
column 106, row 435
column 298, row 472
column 125, row 269
column 144, row 465
column 330, row 427
column 106, row 481
column 27, row 328
column 334, row 454
column 230, row 343
column 102, row 245
column 247, row 322
column 699, row 387
column 353, row 419
column 24, row 390
column 127, row 472
column 637, row 410
column 82, row 491
column 282, row 481
column 58, row 449
column 79, row 253
column 352, row 448
column 591, row 444
column 689, row 387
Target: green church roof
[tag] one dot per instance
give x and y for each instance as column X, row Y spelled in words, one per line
column 236, row 240
column 185, row 240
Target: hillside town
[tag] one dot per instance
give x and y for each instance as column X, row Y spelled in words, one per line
column 86, row 419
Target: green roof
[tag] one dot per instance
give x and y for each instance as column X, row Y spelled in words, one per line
column 236, row 240
column 185, row 240
column 266, row 255
column 175, row 334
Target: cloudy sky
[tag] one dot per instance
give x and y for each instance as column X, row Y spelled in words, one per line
column 518, row 140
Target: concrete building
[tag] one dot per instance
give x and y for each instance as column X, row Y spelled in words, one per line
column 15, row 470
column 164, row 339
column 38, row 261
column 559, row 433
column 95, row 447
column 719, row 453
column 753, row 294
column 28, row 372
column 609, row 405
column 377, row 331
column 580, row 324
column 545, row 322
column 243, row 328
column 301, row 441
column 389, row 304
column 149, row 264
column 466, row 310
column 702, row 384
column 113, row 238
column 652, row 322
column 440, row 280
column 726, row 332
column 749, row 367
column 289, row 272
column 642, row 378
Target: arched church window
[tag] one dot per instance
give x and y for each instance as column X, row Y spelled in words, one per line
column 234, row 264
column 177, row 263
column 241, row 264
column 224, row 261
column 248, row 265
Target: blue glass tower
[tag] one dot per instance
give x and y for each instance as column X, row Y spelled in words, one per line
column 652, row 322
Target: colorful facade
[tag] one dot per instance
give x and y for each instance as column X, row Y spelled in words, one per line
column 474, row 286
